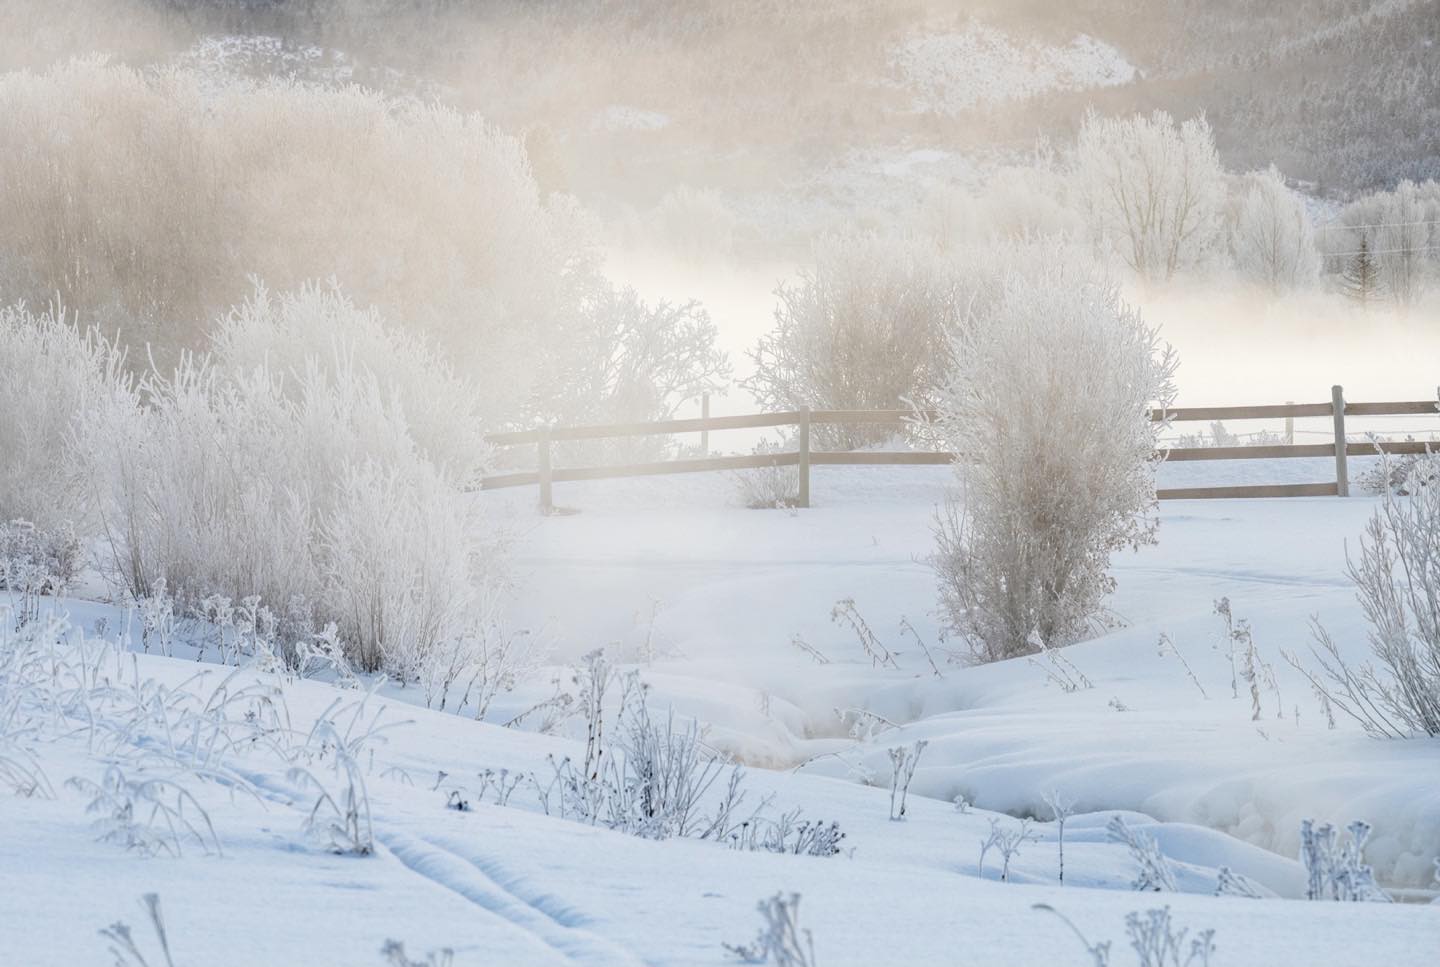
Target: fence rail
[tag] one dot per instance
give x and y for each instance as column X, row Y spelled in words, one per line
column 804, row 457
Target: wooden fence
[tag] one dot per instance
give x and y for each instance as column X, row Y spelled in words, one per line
column 804, row 457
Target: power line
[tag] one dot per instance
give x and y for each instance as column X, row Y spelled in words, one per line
column 1383, row 251
column 1337, row 226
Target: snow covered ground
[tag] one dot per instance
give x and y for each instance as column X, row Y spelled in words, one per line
column 705, row 597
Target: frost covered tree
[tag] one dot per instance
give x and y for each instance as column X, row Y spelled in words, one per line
column 866, row 326
column 1402, row 241
column 1360, row 280
column 1273, row 239
column 629, row 361
column 1048, row 408
column 1151, row 189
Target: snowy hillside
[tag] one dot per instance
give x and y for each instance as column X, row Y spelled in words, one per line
column 704, row 599
column 983, row 66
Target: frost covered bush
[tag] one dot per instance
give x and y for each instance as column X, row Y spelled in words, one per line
column 1154, row 938
column 50, row 373
column 146, row 199
column 1153, row 873
column 656, row 779
column 1048, row 408
column 34, row 563
column 866, row 326
column 646, row 778
column 1273, row 240
column 1401, row 475
column 1150, row 189
column 288, row 332
column 1335, row 868
column 1397, row 577
column 903, row 762
column 768, row 488
column 151, row 815
column 305, row 488
column 157, row 200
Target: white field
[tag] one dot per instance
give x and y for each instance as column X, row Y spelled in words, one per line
column 727, row 588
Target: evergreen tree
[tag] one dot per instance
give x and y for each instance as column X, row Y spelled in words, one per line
column 1361, row 278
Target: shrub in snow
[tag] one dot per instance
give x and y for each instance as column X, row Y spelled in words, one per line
column 33, row 564
column 902, row 769
column 642, row 777
column 1246, row 663
column 287, row 332
column 987, row 844
column 1150, row 189
column 1061, row 809
column 1402, row 475
column 50, row 373
column 1335, row 868
column 1273, row 239
column 150, row 219
column 845, row 614
column 1009, row 842
column 654, row 779
column 1154, row 872
column 305, row 488
column 781, row 940
column 471, row 667
column 787, row 833
column 1397, row 576
column 20, row 771
column 768, row 488
column 1048, row 408
column 1153, row 937
column 1230, row 883
column 1158, row 944
column 150, row 815
column 328, row 766
column 865, row 327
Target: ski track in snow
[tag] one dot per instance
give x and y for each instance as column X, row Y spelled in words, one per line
column 459, row 869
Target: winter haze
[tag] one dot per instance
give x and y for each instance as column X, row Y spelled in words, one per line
column 1043, row 570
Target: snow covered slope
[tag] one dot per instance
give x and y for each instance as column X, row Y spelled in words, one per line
column 514, row 885
column 730, row 588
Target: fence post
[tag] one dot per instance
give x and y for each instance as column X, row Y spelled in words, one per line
column 705, row 415
column 543, row 467
column 1342, row 473
column 804, row 495
column 1289, row 426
